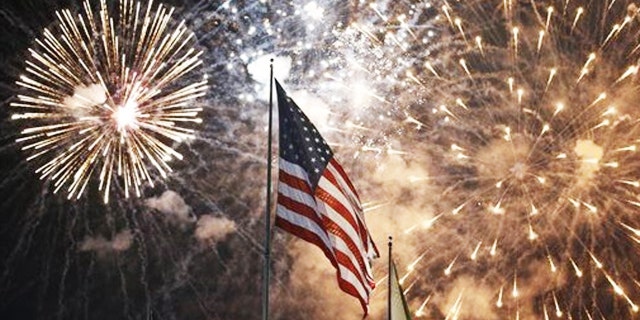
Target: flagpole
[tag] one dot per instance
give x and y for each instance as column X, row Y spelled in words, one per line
column 389, row 281
column 267, row 220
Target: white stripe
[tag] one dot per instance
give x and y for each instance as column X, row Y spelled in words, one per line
column 343, row 184
column 333, row 190
column 341, row 246
column 355, row 202
column 347, row 194
column 345, row 227
column 338, row 218
column 359, row 281
column 348, row 276
column 305, row 223
column 294, row 170
column 297, row 195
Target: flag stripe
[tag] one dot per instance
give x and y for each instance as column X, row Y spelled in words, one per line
column 347, row 275
column 349, row 261
column 349, row 245
column 301, row 203
column 303, row 216
column 329, row 193
column 337, row 212
column 295, row 171
column 343, row 176
column 342, row 180
column 347, row 287
column 334, row 175
column 342, row 217
column 301, row 198
column 318, row 203
column 288, row 224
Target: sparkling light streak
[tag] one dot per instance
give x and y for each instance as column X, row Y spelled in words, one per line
column 544, row 198
column 107, row 94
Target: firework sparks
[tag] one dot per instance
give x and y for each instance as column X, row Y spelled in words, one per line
column 536, row 149
column 106, row 95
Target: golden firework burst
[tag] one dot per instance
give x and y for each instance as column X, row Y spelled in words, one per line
column 106, row 94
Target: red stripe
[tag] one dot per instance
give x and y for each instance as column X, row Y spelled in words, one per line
column 334, row 229
column 300, row 209
column 361, row 228
column 344, row 176
column 313, row 238
column 294, row 182
column 364, row 232
column 351, row 197
column 308, row 236
column 337, row 206
column 347, row 287
column 345, row 261
column 310, row 214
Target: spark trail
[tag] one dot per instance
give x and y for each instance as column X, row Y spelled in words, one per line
column 533, row 132
column 106, row 94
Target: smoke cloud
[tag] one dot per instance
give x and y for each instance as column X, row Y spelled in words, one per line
column 210, row 228
column 120, row 242
column 173, row 206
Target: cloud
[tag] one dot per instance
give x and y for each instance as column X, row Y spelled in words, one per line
column 213, row 228
column 172, row 204
column 120, row 242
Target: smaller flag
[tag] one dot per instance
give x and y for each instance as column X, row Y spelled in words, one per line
column 398, row 308
column 318, row 203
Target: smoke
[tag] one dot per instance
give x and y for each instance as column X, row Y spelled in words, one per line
column 120, row 242
column 173, row 206
column 470, row 298
column 394, row 130
column 210, row 228
column 591, row 155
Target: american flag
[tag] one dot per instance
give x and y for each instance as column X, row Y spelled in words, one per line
column 318, row 203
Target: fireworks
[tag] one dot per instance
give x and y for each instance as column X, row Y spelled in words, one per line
column 506, row 132
column 107, row 94
column 534, row 138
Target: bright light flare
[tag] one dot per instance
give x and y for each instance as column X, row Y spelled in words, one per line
column 107, row 93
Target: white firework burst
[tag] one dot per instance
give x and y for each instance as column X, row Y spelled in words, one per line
column 105, row 94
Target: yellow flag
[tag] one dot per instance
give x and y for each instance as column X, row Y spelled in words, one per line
column 399, row 310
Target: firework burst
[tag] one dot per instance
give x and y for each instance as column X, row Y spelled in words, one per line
column 534, row 141
column 106, row 94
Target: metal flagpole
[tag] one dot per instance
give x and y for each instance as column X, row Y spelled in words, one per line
column 267, row 220
column 389, row 282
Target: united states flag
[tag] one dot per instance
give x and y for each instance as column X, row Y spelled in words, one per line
column 318, row 203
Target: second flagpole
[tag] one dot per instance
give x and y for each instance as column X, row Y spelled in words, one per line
column 266, row 273
column 389, row 281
